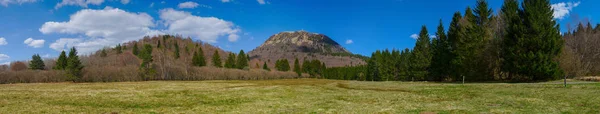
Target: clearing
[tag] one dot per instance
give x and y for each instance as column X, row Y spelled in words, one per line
column 298, row 96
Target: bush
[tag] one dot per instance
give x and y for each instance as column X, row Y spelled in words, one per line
column 32, row 76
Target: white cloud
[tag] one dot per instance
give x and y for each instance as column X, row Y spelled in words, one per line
column 4, row 57
column 3, row 41
column 233, row 37
column 414, row 36
column 125, row 1
column 225, row 1
column 46, row 56
column 81, row 3
column 152, row 4
column 562, row 9
column 5, row 63
column 34, row 43
column 5, row 3
column 188, row 4
column 432, row 36
column 207, row 29
column 105, row 27
column 349, row 41
column 261, row 1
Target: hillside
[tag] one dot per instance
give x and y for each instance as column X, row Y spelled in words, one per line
column 304, row 46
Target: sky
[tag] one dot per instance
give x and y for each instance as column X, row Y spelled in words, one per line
column 47, row 27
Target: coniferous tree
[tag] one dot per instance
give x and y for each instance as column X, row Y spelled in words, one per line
column 242, row 60
column 373, row 67
column 421, row 56
column 282, row 65
column 158, row 45
column 103, row 53
column 198, row 58
column 36, row 63
column 440, row 60
column 61, row 62
column 176, row 51
column 119, row 49
column 216, row 59
column 74, row 65
column 135, row 50
column 265, row 67
column 541, row 43
column 510, row 14
column 454, row 35
column 230, row 62
column 297, row 68
column 146, row 71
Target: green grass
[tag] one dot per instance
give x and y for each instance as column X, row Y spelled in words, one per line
column 298, row 96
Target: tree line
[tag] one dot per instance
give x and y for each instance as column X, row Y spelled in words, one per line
column 519, row 44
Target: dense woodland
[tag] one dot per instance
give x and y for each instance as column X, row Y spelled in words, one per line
column 521, row 43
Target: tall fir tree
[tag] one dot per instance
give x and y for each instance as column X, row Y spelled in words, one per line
column 74, row 65
column 61, row 62
column 177, row 55
column 135, row 50
column 454, row 35
column 216, row 59
column 440, row 61
column 421, row 58
column 510, row 14
column 146, row 71
column 242, row 60
column 119, row 49
column 103, row 53
column 36, row 63
column 230, row 62
column 541, row 43
column 265, row 67
column 297, row 68
column 198, row 59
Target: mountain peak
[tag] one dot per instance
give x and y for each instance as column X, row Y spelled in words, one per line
column 303, row 41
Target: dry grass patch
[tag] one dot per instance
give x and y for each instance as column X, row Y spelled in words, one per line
column 297, row 96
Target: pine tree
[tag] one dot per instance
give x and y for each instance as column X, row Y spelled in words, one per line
column 230, row 62
column 541, row 43
column 176, row 51
column 36, row 63
column 297, row 68
column 158, row 45
column 135, row 49
column 440, row 60
column 242, row 60
column 216, row 59
column 146, row 71
column 373, row 67
column 103, row 53
column 510, row 14
column 74, row 65
column 198, row 58
column 421, row 58
column 119, row 49
column 454, row 34
column 61, row 62
column 265, row 67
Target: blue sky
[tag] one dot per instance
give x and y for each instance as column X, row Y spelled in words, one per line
column 46, row 27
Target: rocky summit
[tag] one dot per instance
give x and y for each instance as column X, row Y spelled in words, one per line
column 304, row 46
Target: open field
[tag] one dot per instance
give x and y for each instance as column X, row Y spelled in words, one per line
column 298, row 96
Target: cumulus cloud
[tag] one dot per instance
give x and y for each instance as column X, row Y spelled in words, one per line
column 562, row 9
column 34, row 43
column 225, row 1
column 261, row 1
column 105, row 27
column 414, row 36
column 81, row 3
column 207, row 29
column 5, row 3
column 4, row 57
column 124, row 1
column 432, row 36
column 349, row 41
column 3, row 41
column 188, row 4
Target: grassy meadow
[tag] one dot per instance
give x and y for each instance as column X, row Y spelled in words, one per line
column 298, row 96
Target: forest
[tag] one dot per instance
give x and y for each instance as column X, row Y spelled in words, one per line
column 521, row 43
